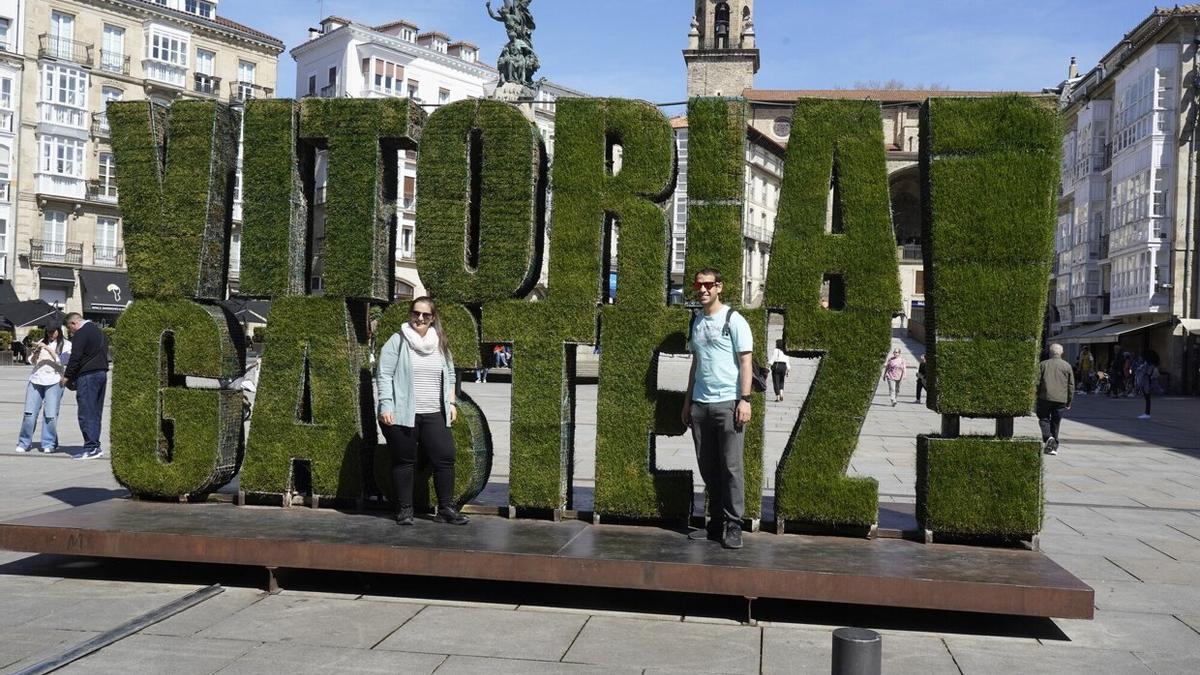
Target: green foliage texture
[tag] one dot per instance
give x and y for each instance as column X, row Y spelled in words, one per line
column 841, row 139
column 169, row 441
column 274, row 211
column 989, row 167
column 362, row 137
column 509, row 218
column 177, row 170
column 975, row 486
column 308, row 405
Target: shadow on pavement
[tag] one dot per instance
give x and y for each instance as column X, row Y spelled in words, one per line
column 79, row 496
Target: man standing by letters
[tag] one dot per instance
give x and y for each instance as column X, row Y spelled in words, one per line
column 87, row 374
column 716, row 405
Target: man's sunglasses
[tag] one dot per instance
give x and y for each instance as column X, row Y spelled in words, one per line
column 706, row 285
column 423, row 316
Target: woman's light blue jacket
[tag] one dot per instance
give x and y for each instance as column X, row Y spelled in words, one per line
column 394, row 382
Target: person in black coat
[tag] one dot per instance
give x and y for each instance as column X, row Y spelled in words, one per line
column 87, row 374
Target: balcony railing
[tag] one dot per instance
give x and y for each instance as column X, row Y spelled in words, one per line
column 240, row 92
column 100, row 125
column 408, row 202
column 102, row 191
column 114, row 62
column 328, row 91
column 910, row 252
column 165, row 72
column 108, row 256
column 55, row 47
column 5, row 192
column 6, row 120
column 55, row 251
column 206, row 84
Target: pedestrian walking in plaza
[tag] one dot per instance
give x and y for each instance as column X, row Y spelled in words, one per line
column 1085, row 370
column 1148, row 377
column 1056, row 391
column 716, row 405
column 781, row 368
column 87, row 375
column 417, row 405
column 920, row 376
column 893, row 372
column 43, row 393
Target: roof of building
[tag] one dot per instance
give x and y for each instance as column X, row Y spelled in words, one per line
column 789, row 95
column 434, row 33
column 396, row 24
column 464, row 43
column 221, row 21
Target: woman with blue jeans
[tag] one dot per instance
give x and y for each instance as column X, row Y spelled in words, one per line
column 44, row 392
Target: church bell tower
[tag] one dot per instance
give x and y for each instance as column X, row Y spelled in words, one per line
column 722, row 54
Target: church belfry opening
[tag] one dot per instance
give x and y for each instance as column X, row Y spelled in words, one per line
column 721, row 26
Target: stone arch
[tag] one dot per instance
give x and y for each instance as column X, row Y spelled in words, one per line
column 904, row 187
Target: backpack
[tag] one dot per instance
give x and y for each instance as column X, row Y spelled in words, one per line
column 758, row 372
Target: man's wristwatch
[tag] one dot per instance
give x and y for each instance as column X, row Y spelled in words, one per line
column 746, row 398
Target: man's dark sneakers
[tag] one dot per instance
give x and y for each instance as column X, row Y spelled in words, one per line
column 448, row 515
column 404, row 516
column 1051, row 446
column 733, row 535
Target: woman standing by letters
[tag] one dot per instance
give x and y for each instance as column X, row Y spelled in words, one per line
column 417, row 405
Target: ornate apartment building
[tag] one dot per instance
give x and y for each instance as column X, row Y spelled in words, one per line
column 12, row 45
column 344, row 58
column 1125, row 269
column 64, row 239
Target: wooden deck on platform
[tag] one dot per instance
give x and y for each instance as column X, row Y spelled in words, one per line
column 882, row 572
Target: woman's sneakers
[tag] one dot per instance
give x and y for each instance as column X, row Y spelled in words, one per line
column 405, row 516
column 20, row 449
column 448, row 515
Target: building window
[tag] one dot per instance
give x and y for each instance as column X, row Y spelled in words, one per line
column 5, row 184
column 387, row 78
column 199, row 8
column 112, row 49
column 312, row 85
column 105, row 251
column 107, row 175
column 205, row 62
column 406, row 242
column 168, row 49
column 5, row 23
column 65, row 89
column 919, row 282
column 333, row 76
column 414, row 89
column 443, row 96
column 54, row 234
column 407, row 34
column 782, row 128
column 61, row 156
column 245, row 87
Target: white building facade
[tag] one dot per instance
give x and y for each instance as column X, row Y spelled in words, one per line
column 1125, row 266
column 345, row 58
column 12, row 44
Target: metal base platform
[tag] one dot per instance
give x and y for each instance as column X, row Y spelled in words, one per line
column 881, row 572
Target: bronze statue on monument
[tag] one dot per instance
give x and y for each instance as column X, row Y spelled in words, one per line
column 518, row 62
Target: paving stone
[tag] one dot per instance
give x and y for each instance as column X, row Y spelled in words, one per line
column 161, row 655
column 306, row 659
column 1136, row 596
column 1091, row 568
column 1051, row 660
column 199, row 617
column 667, row 645
column 540, row 636
column 1159, row 571
column 1132, row 631
column 1173, row 664
column 23, row 647
column 88, row 606
column 475, row 665
column 312, row 621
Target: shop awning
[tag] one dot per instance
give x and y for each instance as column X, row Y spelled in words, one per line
column 8, row 294
column 1070, row 336
column 1114, row 332
column 64, row 275
column 30, row 313
column 105, row 292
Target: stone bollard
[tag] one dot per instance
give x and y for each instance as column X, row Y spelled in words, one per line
column 857, row 651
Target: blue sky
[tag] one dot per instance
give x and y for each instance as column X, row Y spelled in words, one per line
column 631, row 48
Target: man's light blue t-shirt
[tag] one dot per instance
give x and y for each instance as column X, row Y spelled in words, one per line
column 716, row 366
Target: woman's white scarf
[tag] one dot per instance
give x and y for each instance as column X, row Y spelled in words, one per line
column 421, row 345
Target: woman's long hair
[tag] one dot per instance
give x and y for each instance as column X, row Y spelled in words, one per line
column 58, row 343
column 436, row 324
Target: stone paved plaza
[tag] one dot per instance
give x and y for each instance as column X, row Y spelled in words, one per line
column 1123, row 514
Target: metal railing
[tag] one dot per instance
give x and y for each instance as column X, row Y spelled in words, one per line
column 108, row 256
column 100, row 127
column 5, row 194
column 328, row 91
column 55, row 47
column 911, row 252
column 114, row 62
column 55, row 251
column 206, row 84
column 240, row 92
column 101, row 190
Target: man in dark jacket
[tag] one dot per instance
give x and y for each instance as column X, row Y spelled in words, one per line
column 1056, row 390
column 87, row 374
